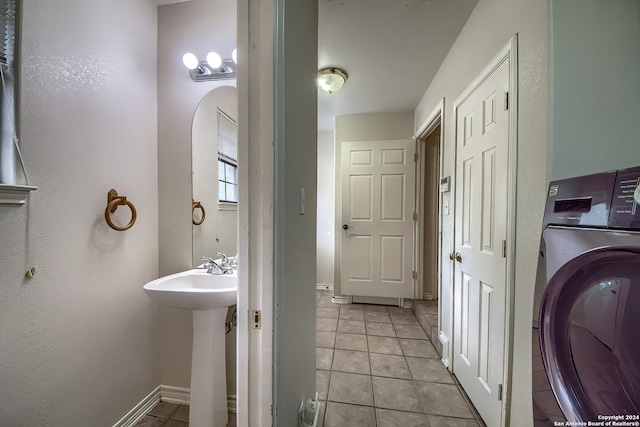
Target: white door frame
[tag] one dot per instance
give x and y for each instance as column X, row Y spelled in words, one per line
column 434, row 119
column 508, row 52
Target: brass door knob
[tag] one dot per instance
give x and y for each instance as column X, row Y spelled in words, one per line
column 451, row 256
column 458, row 257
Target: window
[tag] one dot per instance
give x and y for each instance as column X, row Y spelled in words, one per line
column 8, row 170
column 227, row 159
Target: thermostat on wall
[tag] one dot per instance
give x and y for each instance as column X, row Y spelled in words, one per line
column 444, row 184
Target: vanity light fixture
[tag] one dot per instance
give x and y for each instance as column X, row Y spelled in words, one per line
column 331, row 79
column 214, row 68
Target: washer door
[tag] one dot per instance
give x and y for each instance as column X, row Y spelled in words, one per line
column 590, row 334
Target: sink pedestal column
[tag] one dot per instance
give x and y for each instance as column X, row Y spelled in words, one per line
column 208, row 403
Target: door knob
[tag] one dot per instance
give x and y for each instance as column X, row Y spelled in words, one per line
column 458, row 257
column 346, row 226
column 451, row 256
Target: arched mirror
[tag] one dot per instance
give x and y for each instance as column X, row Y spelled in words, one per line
column 214, row 174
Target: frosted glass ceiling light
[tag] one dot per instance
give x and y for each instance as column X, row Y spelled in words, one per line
column 214, row 68
column 331, row 79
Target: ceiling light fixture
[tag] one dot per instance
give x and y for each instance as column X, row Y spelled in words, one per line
column 331, row 79
column 214, row 68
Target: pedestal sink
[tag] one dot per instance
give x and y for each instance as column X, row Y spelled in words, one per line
column 208, row 296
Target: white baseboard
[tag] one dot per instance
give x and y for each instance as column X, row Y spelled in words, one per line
column 140, row 410
column 165, row 393
column 338, row 299
column 445, row 348
column 324, row 286
column 177, row 395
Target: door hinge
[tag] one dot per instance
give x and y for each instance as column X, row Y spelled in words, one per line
column 415, row 216
column 416, row 156
column 256, row 319
column 499, row 391
column 415, row 274
column 506, row 101
column 504, row 249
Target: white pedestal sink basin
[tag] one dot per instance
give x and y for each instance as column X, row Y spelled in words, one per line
column 208, row 296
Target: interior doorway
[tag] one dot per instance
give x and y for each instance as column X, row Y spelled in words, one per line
column 429, row 206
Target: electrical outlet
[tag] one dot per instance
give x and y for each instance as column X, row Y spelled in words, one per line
column 256, row 319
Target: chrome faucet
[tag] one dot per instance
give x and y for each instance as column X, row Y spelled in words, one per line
column 214, row 268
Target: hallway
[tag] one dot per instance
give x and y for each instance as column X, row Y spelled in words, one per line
column 376, row 367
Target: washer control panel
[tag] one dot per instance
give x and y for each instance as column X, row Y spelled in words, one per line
column 625, row 204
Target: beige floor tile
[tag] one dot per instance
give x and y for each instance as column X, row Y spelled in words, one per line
column 381, row 329
column 341, row 415
column 322, row 384
column 385, row 345
column 377, row 317
column 174, row 423
column 351, row 342
column 355, row 362
column 326, row 325
column 442, row 399
column 368, row 308
column 418, row 348
column 181, row 414
column 389, row 365
column 327, row 312
column 351, row 327
column 163, row 409
column 350, row 388
column 352, row 315
column 150, row 421
column 324, row 358
column 423, row 369
column 410, row 331
column 325, row 339
column 388, row 418
column 392, row 393
column 433, row 421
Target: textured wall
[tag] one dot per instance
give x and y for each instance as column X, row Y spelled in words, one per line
column 196, row 26
column 79, row 341
column 489, row 28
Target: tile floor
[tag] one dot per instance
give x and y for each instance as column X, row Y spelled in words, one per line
column 171, row 415
column 376, row 367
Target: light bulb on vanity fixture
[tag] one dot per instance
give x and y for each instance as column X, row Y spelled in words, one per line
column 214, row 68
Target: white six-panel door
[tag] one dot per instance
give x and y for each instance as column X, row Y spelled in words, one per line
column 482, row 153
column 377, row 210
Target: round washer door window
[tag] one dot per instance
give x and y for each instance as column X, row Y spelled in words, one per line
column 590, row 334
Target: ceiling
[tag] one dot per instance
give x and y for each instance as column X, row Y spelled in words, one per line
column 390, row 49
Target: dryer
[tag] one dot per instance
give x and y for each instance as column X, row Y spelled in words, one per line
column 586, row 317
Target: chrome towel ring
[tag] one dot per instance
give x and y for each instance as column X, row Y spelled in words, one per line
column 113, row 201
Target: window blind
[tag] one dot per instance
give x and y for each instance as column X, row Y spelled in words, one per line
column 8, row 28
column 227, row 137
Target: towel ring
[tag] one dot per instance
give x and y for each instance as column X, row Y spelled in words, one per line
column 113, row 201
column 197, row 205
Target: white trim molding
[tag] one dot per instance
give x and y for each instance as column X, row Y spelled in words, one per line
column 324, row 286
column 177, row 395
column 140, row 410
column 164, row 393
